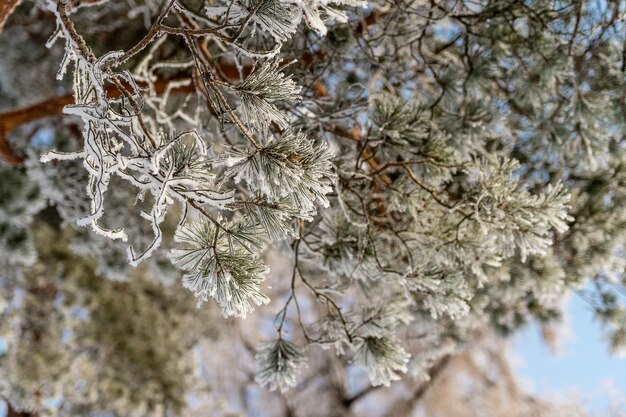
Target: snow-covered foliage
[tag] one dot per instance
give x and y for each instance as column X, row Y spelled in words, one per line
column 277, row 363
column 416, row 174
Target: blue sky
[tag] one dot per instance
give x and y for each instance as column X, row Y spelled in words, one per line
column 583, row 366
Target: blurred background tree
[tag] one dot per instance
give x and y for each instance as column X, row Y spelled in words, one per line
column 381, row 193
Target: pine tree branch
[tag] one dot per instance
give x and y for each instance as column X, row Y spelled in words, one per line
column 54, row 107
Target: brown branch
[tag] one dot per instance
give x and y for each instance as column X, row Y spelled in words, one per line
column 54, row 107
column 434, row 372
column 355, row 134
column 404, row 407
column 7, row 7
